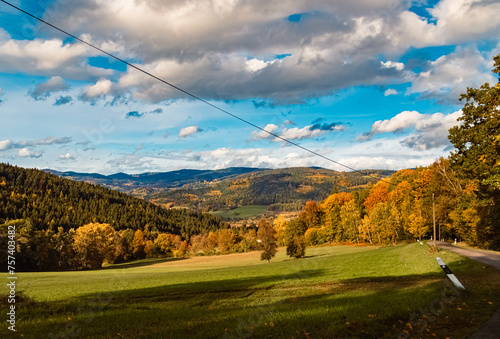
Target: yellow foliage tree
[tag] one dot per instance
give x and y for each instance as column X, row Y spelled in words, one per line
column 379, row 193
column 96, row 244
column 139, row 245
column 279, row 225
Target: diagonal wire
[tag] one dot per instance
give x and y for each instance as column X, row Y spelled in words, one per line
column 190, row 94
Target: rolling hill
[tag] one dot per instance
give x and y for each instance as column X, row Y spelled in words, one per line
column 49, row 202
column 280, row 189
column 144, row 184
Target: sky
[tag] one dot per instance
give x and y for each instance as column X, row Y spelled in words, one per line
column 371, row 84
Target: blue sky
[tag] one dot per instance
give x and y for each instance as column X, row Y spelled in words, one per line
column 370, row 84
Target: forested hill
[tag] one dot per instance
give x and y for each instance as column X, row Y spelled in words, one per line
column 49, row 202
column 144, row 184
column 280, row 189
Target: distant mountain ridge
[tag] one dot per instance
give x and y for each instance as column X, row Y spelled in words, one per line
column 286, row 189
column 153, row 182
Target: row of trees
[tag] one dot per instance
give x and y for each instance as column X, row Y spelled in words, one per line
column 95, row 244
column 393, row 210
column 89, row 246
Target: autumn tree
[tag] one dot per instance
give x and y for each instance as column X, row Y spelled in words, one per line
column 379, row 193
column 311, row 215
column 279, row 225
column 225, row 241
column 267, row 236
column 248, row 241
column 164, row 244
column 96, row 244
column 210, row 243
column 295, row 239
column 296, row 247
column 139, row 245
column 331, row 207
column 350, row 220
column 417, row 224
column 477, row 153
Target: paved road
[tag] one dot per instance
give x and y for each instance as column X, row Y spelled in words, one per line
column 485, row 257
column 490, row 330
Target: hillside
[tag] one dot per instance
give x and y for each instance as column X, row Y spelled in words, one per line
column 280, row 189
column 141, row 185
column 50, row 202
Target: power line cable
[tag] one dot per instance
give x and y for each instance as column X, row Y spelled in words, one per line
column 190, row 94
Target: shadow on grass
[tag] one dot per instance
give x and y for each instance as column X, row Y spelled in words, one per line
column 276, row 305
column 140, row 263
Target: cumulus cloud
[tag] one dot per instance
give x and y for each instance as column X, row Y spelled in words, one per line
column 27, row 153
column 374, row 154
column 317, row 128
column 9, row 144
column 391, row 64
column 275, row 52
column 259, row 135
column 63, row 100
column 136, row 114
column 311, row 131
column 390, row 91
column 49, row 141
column 6, row 145
column 462, row 20
column 67, row 157
column 334, row 45
column 47, row 57
column 96, row 91
column 430, row 130
column 450, row 75
column 190, row 130
column 44, row 90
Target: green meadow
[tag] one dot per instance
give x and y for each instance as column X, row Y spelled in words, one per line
column 334, row 292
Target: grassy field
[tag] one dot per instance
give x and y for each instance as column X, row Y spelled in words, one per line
column 335, row 292
column 243, row 212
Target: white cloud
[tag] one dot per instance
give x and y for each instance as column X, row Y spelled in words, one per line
column 450, row 75
column 391, row 64
column 379, row 154
column 296, row 133
column 6, row 145
column 390, row 91
column 259, row 135
column 430, row 130
column 67, row 156
column 190, row 130
column 47, row 57
column 9, row 144
column 311, row 131
column 27, row 153
column 462, row 20
column 236, row 57
column 44, row 90
column 97, row 91
column 227, row 49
